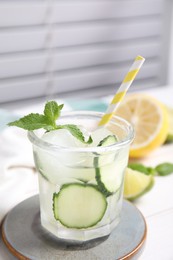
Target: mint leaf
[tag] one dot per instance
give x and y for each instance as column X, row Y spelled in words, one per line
column 169, row 139
column 31, row 122
column 52, row 111
column 164, row 169
column 141, row 168
column 76, row 132
column 61, row 106
column 48, row 121
column 36, row 121
column 151, row 171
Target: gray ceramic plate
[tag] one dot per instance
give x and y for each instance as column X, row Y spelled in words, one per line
column 26, row 239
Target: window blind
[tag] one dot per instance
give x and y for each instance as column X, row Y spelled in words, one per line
column 60, row 46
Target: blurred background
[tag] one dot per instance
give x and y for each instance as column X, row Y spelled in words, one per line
column 82, row 49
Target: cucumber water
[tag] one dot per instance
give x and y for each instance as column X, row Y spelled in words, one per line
column 81, row 185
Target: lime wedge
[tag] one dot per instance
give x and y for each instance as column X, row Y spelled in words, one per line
column 170, row 129
column 136, row 184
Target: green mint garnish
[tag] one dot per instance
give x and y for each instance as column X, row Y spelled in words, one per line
column 47, row 121
column 140, row 168
column 76, row 132
column 31, row 122
column 164, row 169
column 52, row 111
column 151, row 171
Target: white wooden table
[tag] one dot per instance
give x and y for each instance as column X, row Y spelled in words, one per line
column 157, row 205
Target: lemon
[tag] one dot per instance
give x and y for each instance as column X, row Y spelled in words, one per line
column 170, row 129
column 136, row 184
column 150, row 120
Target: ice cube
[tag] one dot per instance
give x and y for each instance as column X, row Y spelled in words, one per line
column 106, row 157
column 99, row 134
column 63, row 138
column 53, row 165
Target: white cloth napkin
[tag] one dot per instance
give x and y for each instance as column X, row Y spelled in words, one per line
column 18, row 180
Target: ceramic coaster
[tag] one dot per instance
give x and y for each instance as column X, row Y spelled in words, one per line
column 27, row 239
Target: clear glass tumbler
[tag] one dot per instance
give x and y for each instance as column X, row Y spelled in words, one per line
column 81, row 188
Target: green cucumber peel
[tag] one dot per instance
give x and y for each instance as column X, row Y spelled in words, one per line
column 101, row 185
column 108, row 140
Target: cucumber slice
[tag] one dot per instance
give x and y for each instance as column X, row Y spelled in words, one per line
column 107, row 181
column 79, row 205
column 108, row 140
column 106, row 158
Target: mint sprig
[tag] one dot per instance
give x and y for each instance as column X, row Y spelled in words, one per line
column 141, row 168
column 47, row 121
column 162, row 169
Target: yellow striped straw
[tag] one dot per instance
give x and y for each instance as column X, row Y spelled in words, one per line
column 130, row 76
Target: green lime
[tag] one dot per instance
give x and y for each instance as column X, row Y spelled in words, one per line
column 136, row 184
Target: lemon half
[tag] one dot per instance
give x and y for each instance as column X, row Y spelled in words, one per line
column 150, row 120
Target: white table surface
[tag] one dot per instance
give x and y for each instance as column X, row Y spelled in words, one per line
column 157, row 205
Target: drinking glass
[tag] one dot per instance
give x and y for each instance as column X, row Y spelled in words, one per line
column 81, row 187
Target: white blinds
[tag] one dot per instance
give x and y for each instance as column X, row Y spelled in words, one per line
column 57, row 46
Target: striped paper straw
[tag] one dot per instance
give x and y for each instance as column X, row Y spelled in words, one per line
column 130, row 76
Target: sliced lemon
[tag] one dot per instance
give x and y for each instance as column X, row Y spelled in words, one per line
column 136, row 184
column 150, row 120
column 169, row 137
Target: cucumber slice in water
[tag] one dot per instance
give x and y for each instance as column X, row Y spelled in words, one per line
column 107, row 182
column 79, row 205
column 108, row 140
